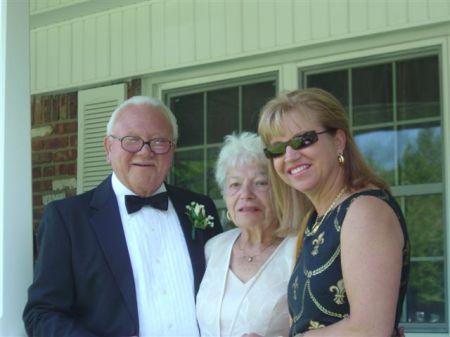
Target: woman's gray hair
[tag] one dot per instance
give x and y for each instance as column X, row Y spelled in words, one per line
column 238, row 149
column 149, row 101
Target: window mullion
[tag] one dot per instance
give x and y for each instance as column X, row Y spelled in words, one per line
column 350, row 100
column 205, row 141
column 395, row 125
column 240, row 112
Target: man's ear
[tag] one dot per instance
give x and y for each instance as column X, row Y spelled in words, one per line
column 107, row 145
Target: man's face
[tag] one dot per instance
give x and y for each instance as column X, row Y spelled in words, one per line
column 142, row 172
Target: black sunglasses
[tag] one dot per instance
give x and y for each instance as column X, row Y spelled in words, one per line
column 297, row 142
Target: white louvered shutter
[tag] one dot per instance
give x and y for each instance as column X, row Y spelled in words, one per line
column 94, row 109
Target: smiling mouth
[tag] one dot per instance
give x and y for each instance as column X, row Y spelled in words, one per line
column 142, row 164
column 299, row 169
column 248, row 209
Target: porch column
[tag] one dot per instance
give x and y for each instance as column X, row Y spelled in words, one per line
column 16, row 246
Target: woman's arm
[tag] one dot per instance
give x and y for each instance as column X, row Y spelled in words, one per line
column 371, row 260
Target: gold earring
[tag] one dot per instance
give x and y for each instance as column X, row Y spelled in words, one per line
column 228, row 216
column 341, row 159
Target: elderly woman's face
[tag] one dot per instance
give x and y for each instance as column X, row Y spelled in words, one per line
column 248, row 196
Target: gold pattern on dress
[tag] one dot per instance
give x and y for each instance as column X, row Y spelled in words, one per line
column 339, row 289
column 321, row 269
column 302, row 307
column 304, row 292
column 320, row 219
column 320, row 306
column 336, row 222
column 295, row 287
column 316, row 243
column 313, row 325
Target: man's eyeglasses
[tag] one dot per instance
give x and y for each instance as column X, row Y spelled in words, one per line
column 135, row 144
column 297, row 142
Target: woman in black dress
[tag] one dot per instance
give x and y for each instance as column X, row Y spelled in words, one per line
column 351, row 276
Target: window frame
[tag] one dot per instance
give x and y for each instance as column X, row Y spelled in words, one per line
column 204, row 87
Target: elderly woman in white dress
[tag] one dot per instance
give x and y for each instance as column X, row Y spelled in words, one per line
column 248, row 268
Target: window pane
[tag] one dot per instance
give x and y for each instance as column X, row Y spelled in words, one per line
column 188, row 110
column 223, row 113
column 212, row 188
column 420, row 154
column 418, row 98
column 254, row 96
column 406, row 149
column 335, row 82
column 377, row 147
column 372, row 94
column 424, row 215
column 188, row 170
column 425, row 299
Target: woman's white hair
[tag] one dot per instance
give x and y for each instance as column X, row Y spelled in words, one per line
column 238, row 149
column 145, row 100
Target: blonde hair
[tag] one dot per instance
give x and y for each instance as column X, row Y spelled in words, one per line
column 291, row 205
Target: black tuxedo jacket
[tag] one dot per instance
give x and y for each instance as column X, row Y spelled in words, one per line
column 83, row 281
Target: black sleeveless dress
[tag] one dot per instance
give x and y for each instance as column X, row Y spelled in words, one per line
column 316, row 290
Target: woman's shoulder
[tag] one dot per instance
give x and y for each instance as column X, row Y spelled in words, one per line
column 225, row 236
column 287, row 249
column 373, row 211
column 370, row 196
column 367, row 198
column 223, row 239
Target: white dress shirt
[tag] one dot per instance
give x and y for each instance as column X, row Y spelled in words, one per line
column 162, row 268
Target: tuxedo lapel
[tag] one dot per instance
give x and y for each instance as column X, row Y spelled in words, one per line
column 107, row 225
column 195, row 247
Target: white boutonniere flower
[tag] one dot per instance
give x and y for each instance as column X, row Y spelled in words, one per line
column 198, row 217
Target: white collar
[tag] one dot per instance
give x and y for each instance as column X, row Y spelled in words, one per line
column 121, row 190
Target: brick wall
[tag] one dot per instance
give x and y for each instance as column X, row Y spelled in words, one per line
column 54, row 149
column 54, row 130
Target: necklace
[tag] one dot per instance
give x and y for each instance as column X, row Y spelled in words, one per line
column 251, row 258
column 320, row 219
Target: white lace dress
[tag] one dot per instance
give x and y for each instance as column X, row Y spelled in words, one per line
column 228, row 307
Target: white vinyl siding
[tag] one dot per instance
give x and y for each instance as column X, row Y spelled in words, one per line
column 153, row 36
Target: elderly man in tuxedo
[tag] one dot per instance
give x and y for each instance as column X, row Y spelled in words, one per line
column 121, row 259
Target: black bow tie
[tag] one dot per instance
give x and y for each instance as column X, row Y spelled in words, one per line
column 134, row 203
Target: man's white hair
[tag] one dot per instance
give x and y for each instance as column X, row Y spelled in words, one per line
column 145, row 100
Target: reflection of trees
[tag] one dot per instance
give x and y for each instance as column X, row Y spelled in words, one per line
column 421, row 163
column 189, row 174
column 189, row 171
column 388, row 175
column 424, row 218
